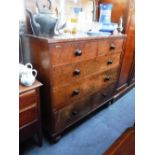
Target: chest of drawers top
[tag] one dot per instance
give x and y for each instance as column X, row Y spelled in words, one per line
column 67, row 51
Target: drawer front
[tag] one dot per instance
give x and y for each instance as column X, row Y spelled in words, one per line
column 65, row 53
column 27, row 99
column 63, row 96
column 63, row 75
column 71, row 113
column 103, row 95
column 110, row 46
column 28, row 116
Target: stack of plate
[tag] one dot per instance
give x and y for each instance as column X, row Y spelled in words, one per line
column 109, row 27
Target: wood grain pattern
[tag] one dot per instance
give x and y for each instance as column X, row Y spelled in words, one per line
column 65, row 53
column 63, row 96
column 28, row 98
column 110, row 46
column 65, row 74
column 97, row 68
column 71, row 113
column 125, row 144
column 104, row 94
column 28, row 116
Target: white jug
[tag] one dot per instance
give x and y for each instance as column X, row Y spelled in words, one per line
column 28, row 77
column 24, row 68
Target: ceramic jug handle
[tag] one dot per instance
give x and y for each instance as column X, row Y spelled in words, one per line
column 29, row 65
column 34, row 72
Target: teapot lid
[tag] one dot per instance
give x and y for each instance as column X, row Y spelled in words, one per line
column 43, row 8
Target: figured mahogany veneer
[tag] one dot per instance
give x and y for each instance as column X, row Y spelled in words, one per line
column 79, row 76
column 26, row 99
column 109, row 46
column 76, row 71
column 63, row 96
column 78, row 51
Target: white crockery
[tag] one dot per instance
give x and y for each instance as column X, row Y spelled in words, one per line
column 28, row 77
column 24, row 68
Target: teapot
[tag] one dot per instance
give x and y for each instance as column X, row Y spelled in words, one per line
column 28, row 77
column 44, row 23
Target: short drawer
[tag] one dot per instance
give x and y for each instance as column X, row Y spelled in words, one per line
column 71, row 113
column 62, row 75
column 103, row 95
column 28, row 98
column 65, row 53
column 28, row 116
column 68, row 94
column 110, row 46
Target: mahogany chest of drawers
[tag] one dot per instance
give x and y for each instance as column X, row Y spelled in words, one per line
column 29, row 112
column 79, row 76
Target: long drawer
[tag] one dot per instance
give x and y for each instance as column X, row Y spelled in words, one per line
column 68, row 94
column 71, row 52
column 73, row 112
column 65, row 74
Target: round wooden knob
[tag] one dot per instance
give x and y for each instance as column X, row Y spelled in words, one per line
column 109, row 62
column 107, row 78
column 75, row 92
column 74, row 113
column 78, row 52
column 77, row 72
column 112, row 46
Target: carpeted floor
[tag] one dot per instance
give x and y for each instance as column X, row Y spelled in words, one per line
column 94, row 135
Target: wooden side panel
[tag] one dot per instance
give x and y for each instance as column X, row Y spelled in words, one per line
column 129, row 48
column 41, row 62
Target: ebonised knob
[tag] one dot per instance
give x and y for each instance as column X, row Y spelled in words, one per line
column 107, row 78
column 77, row 72
column 112, row 46
column 104, row 94
column 75, row 92
column 109, row 62
column 78, row 52
column 74, row 113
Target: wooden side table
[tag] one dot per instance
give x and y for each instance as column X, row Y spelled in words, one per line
column 29, row 112
column 124, row 145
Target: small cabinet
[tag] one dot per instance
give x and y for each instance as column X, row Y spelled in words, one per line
column 29, row 112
